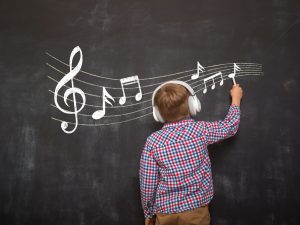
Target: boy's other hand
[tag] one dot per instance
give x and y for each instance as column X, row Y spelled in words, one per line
column 149, row 221
column 236, row 93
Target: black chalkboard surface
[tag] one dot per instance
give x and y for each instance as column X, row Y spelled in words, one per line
column 90, row 176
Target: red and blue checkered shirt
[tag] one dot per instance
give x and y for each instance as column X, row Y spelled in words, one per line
column 175, row 169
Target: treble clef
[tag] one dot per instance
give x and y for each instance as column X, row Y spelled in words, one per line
column 70, row 91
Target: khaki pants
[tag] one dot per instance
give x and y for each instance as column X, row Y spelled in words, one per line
column 199, row 216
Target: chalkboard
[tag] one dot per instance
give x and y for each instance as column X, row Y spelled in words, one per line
column 90, row 175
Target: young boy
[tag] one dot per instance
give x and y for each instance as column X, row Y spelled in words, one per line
column 175, row 171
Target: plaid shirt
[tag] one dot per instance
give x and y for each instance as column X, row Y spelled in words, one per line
column 175, row 169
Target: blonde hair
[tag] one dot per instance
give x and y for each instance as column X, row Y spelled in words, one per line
column 172, row 101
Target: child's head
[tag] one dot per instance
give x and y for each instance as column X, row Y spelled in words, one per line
column 172, row 102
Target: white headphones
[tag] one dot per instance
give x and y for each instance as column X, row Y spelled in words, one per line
column 193, row 101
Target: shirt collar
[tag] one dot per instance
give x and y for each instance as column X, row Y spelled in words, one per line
column 181, row 122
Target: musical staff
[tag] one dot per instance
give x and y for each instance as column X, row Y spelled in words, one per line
column 224, row 70
column 83, row 104
column 216, row 68
column 145, row 114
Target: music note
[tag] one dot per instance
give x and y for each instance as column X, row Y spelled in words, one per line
column 71, row 91
column 105, row 99
column 128, row 81
column 232, row 75
column 199, row 69
column 213, row 79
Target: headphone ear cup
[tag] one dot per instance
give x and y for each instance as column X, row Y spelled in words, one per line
column 154, row 115
column 192, row 105
column 157, row 116
column 198, row 104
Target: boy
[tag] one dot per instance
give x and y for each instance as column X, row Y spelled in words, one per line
column 175, row 171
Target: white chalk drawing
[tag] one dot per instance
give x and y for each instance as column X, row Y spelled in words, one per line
column 215, row 68
column 139, row 117
column 224, row 70
column 232, row 75
column 199, row 69
column 105, row 99
column 200, row 79
column 219, row 74
column 128, row 81
column 70, row 91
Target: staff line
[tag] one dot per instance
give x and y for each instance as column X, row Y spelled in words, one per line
column 149, row 78
column 103, row 124
column 116, row 115
column 242, row 72
column 97, row 106
column 245, row 75
column 156, row 84
column 122, row 106
column 150, row 85
column 136, row 87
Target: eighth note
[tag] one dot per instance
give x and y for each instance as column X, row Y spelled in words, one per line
column 199, row 69
column 128, row 81
column 232, row 75
column 105, row 99
column 213, row 78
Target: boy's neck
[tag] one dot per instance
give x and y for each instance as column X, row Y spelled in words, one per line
column 180, row 119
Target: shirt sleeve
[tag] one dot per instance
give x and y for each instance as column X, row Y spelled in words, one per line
column 219, row 130
column 148, row 181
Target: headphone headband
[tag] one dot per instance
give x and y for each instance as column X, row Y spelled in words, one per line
column 188, row 87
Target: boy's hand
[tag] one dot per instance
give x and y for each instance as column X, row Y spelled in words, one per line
column 236, row 93
column 149, row 221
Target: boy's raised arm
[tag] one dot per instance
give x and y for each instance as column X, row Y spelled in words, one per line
column 219, row 130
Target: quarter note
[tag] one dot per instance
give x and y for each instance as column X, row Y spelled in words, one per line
column 199, row 69
column 127, row 81
column 105, row 99
column 232, row 75
column 71, row 91
column 213, row 79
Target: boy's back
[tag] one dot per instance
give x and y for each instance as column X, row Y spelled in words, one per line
column 175, row 170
